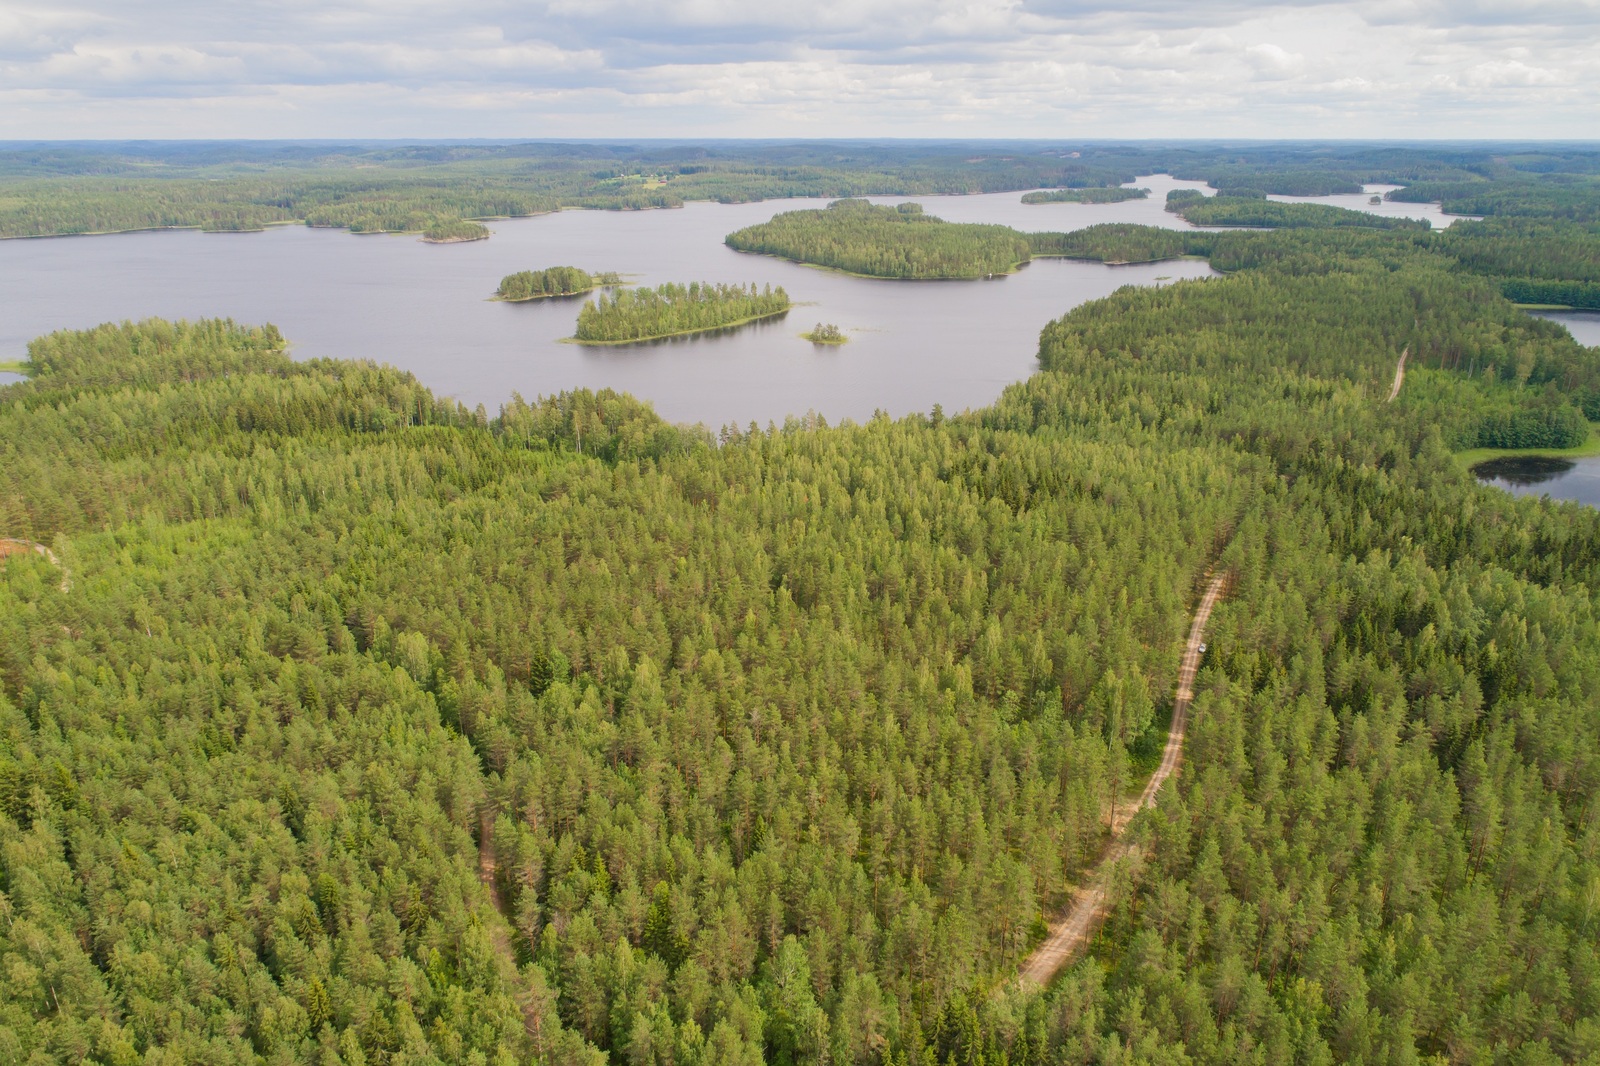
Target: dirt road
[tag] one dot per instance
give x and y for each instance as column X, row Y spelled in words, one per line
column 1399, row 375
column 1091, row 901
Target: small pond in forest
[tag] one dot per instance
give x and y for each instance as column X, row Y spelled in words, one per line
column 1560, row 479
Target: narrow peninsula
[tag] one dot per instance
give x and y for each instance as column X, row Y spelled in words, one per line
column 630, row 315
column 1253, row 209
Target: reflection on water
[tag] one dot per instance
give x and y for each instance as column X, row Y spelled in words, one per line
column 1522, row 470
column 1560, row 479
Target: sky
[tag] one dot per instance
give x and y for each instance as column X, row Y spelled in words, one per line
column 824, row 68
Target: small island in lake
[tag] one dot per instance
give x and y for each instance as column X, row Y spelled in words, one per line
column 826, row 333
column 552, row 281
column 629, row 315
column 455, row 231
column 1112, row 195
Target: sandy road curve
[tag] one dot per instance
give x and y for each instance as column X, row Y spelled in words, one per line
column 1399, row 375
column 1092, row 900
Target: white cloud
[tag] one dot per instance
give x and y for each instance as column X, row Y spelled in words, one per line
column 1141, row 68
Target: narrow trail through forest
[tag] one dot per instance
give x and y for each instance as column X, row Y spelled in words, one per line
column 500, row 931
column 1399, row 375
column 1091, row 901
column 488, row 870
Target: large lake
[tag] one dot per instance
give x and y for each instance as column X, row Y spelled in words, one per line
column 426, row 308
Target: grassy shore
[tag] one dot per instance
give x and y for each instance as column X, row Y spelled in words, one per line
column 14, row 366
column 1473, row 456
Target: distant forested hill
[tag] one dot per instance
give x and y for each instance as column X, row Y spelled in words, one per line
column 56, row 188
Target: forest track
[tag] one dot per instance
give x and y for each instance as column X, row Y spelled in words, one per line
column 500, row 932
column 488, row 873
column 1092, row 900
column 9, row 546
column 1399, row 375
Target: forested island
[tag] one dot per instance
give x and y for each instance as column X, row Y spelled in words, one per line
column 455, row 231
column 826, row 333
column 552, row 281
column 1110, row 195
column 373, row 729
column 879, row 241
column 625, row 316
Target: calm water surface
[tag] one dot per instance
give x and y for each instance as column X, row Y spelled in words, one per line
column 1560, row 479
column 1583, row 325
column 1387, row 208
column 425, row 308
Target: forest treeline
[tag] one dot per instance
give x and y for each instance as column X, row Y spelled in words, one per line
column 552, row 281
column 61, row 189
column 624, row 315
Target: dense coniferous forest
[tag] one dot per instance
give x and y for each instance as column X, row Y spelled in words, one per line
column 626, row 315
column 552, row 281
column 346, row 725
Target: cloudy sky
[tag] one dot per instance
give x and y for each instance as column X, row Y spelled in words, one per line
column 736, row 68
